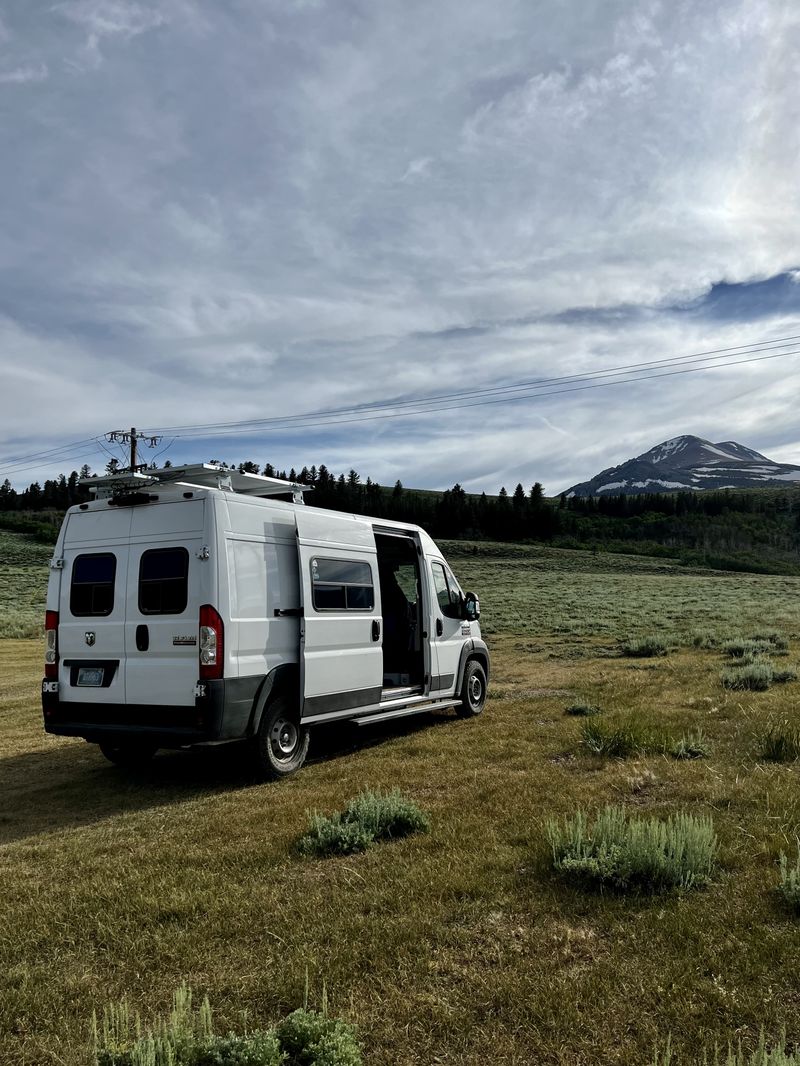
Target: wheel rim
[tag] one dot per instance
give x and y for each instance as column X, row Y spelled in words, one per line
column 283, row 738
column 475, row 690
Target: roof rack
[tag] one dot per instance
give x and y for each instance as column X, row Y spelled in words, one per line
column 195, row 475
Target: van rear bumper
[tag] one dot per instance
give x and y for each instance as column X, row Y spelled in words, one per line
column 223, row 713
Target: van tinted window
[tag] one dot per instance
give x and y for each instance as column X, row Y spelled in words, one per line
column 92, row 588
column 342, row 585
column 163, row 581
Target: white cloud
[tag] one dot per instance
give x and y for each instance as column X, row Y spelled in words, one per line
column 111, row 18
column 23, row 75
column 104, row 20
column 260, row 208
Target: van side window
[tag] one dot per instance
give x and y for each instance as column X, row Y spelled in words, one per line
column 448, row 594
column 163, row 581
column 92, row 588
column 342, row 585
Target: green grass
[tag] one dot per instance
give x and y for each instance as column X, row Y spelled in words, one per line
column 692, row 745
column 629, row 853
column 532, row 589
column 632, row 737
column 780, row 742
column 457, row 946
column 23, row 585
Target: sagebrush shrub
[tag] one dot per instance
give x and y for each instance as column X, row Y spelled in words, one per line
column 644, row 647
column 789, row 885
column 747, row 648
column 777, row 1055
column 583, row 710
column 121, row 1040
column 187, row 1038
column 705, row 638
column 691, row 745
column 309, row 1038
column 780, row 743
column 775, row 639
column 629, row 853
column 369, row 817
column 755, row 676
column 780, row 677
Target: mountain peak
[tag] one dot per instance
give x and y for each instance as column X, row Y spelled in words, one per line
column 689, row 462
column 668, row 450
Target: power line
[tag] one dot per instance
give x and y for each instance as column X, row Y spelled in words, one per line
column 74, row 457
column 538, row 383
column 312, row 422
column 411, row 407
column 44, row 455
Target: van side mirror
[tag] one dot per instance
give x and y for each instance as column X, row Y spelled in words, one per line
column 472, row 607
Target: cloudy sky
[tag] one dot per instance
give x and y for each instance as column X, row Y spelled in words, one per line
column 229, row 210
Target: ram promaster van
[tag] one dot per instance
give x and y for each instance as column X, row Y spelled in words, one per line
column 200, row 605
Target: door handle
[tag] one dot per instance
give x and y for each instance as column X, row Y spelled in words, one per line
column 142, row 638
column 376, row 630
column 439, row 627
column 289, row 612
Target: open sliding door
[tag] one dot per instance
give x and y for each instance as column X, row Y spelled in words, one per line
column 341, row 657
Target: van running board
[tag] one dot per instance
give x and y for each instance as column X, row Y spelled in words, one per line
column 439, row 705
column 380, row 712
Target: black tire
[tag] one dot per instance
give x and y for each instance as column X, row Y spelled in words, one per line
column 128, row 753
column 281, row 743
column 473, row 690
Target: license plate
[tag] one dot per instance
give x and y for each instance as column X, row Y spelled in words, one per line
column 90, row 677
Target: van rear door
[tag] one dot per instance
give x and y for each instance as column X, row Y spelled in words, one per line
column 168, row 580
column 91, row 631
column 341, row 657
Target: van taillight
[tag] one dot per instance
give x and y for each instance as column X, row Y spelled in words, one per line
column 212, row 643
column 51, row 644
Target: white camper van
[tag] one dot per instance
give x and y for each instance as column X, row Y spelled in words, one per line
column 200, row 605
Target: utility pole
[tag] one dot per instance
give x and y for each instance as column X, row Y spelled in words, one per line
column 123, row 436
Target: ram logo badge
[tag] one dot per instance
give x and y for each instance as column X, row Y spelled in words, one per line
column 90, row 638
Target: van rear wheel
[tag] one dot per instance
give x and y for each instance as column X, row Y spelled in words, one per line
column 473, row 690
column 281, row 744
column 128, row 754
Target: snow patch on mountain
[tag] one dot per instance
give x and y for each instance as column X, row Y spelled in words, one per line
column 690, row 463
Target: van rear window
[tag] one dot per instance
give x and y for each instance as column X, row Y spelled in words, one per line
column 342, row 585
column 92, row 588
column 163, row 581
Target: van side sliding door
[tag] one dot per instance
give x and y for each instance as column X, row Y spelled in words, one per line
column 341, row 655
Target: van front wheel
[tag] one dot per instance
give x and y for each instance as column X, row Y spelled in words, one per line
column 281, row 744
column 473, row 690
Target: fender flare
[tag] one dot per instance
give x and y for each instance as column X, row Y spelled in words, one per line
column 473, row 649
column 281, row 678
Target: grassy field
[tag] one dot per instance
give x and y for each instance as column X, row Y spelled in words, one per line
column 460, row 946
column 23, row 583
